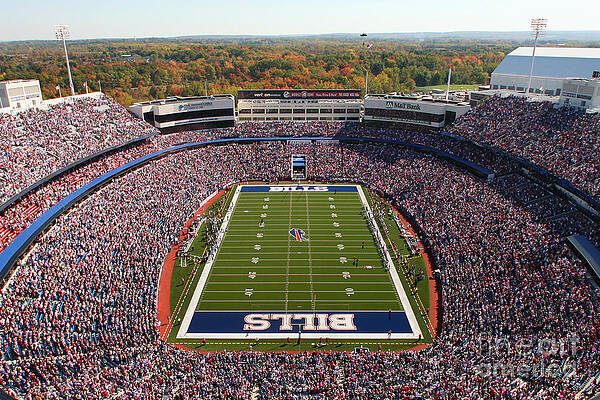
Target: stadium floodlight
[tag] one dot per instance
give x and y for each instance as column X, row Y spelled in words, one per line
column 538, row 26
column 63, row 32
column 367, row 47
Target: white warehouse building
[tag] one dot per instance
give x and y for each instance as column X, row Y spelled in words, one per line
column 552, row 66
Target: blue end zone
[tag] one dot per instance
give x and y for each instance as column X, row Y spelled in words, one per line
column 299, row 188
column 322, row 321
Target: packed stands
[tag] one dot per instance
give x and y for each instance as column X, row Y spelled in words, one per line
column 564, row 141
column 37, row 142
column 521, row 317
column 20, row 215
column 79, row 321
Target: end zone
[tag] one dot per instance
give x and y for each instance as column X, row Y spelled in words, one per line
column 321, row 324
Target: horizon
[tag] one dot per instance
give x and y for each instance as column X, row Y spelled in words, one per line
column 263, row 18
column 350, row 35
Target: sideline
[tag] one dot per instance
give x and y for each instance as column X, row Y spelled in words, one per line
column 187, row 319
column 163, row 303
column 410, row 313
column 434, row 296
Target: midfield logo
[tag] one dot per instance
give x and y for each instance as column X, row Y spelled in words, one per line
column 298, row 234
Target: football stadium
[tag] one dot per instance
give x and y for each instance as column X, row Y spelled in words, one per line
column 183, row 249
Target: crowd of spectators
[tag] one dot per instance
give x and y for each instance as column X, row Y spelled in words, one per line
column 77, row 319
column 20, row 215
column 24, row 212
column 520, row 318
column 562, row 140
column 37, row 142
column 426, row 137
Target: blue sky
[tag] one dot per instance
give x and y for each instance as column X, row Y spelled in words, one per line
column 33, row 19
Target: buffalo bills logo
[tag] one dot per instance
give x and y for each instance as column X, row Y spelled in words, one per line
column 298, row 234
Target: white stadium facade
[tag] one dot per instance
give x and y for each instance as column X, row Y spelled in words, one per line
column 421, row 110
column 182, row 113
column 18, row 95
column 552, row 66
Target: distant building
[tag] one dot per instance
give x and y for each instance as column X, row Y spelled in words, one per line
column 422, row 110
column 187, row 113
column 581, row 93
column 552, row 66
column 20, row 95
column 299, row 105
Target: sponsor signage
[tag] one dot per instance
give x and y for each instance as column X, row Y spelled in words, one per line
column 300, row 141
column 406, row 120
column 26, row 97
column 194, row 106
column 402, row 106
column 299, row 94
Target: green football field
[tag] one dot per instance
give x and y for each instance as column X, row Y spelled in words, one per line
column 261, row 266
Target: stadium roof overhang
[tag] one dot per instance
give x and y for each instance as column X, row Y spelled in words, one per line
column 587, row 251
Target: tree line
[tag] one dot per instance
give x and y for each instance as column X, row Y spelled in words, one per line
column 136, row 70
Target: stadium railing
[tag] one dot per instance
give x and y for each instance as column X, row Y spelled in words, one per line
column 587, row 251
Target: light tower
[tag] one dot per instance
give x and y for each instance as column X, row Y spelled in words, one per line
column 538, row 25
column 366, row 46
column 63, row 33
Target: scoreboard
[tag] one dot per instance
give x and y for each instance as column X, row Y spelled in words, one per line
column 299, row 105
column 299, row 94
column 298, row 166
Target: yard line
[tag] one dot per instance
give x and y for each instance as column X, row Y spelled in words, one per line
column 370, row 260
column 279, row 253
column 332, row 231
column 360, row 291
column 240, row 218
column 289, row 244
column 280, row 266
column 334, row 301
column 312, row 292
column 295, row 275
column 328, row 224
column 354, row 282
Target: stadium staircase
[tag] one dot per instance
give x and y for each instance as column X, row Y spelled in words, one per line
column 538, row 199
column 560, row 215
